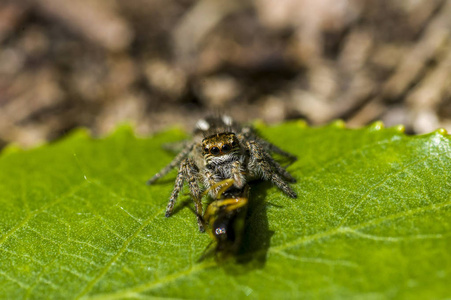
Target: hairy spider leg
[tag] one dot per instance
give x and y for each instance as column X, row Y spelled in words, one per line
column 191, row 172
column 238, row 174
column 279, row 168
column 188, row 171
column 248, row 133
column 175, row 147
column 259, row 162
column 273, row 148
column 177, row 160
column 209, row 181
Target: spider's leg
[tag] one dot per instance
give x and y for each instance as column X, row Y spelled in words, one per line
column 172, row 164
column 259, row 164
column 273, row 148
column 279, row 168
column 177, row 188
column 175, row 147
column 190, row 172
column 209, row 184
column 238, row 174
column 248, row 133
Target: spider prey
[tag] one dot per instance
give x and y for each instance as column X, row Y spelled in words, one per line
column 225, row 218
column 221, row 149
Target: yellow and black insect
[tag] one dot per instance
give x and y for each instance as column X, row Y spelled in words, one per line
column 225, row 218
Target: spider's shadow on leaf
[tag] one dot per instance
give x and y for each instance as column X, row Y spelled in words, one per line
column 257, row 236
column 164, row 181
column 186, row 203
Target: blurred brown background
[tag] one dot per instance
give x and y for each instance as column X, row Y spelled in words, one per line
column 97, row 63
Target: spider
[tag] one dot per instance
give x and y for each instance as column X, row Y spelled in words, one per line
column 221, row 149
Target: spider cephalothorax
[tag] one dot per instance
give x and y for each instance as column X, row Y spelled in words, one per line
column 223, row 159
column 221, row 150
column 220, row 144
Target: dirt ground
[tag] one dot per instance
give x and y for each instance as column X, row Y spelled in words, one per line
column 159, row 63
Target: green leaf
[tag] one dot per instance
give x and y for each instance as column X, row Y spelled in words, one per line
column 372, row 220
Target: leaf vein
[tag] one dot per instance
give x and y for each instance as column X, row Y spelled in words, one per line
column 24, row 221
column 378, row 184
column 104, row 270
column 331, row 232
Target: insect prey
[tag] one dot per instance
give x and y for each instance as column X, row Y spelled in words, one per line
column 225, row 218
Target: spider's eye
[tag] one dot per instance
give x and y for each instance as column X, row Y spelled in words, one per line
column 234, row 143
column 226, row 148
column 214, row 150
column 205, row 149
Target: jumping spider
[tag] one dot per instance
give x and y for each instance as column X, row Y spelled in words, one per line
column 221, row 149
